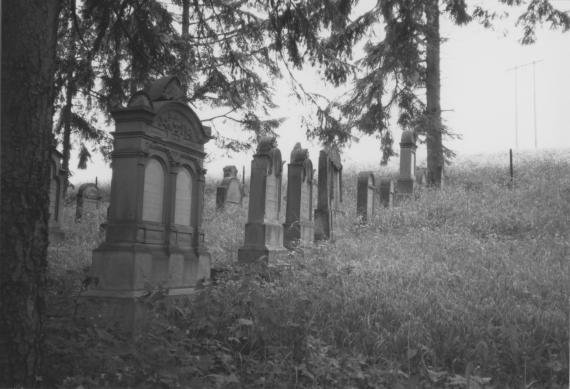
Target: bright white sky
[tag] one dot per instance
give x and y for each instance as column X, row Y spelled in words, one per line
column 478, row 94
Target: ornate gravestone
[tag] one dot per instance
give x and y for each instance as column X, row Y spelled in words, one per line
column 154, row 234
column 229, row 190
column 329, row 199
column 263, row 230
column 406, row 180
column 386, row 192
column 298, row 229
column 365, row 196
column 88, row 201
column 57, row 180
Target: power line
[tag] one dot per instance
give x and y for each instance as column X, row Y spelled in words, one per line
column 516, row 68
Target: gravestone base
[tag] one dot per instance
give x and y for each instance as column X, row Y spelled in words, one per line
column 272, row 249
column 131, row 270
column 404, row 190
column 323, row 227
column 298, row 235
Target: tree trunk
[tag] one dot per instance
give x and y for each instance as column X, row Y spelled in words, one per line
column 69, row 93
column 433, row 86
column 184, row 55
column 29, row 37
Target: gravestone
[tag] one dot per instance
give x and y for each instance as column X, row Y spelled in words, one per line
column 263, row 230
column 386, row 192
column 299, row 227
column 56, row 200
column 154, row 237
column 406, row 180
column 88, row 201
column 421, row 176
column 365, row 189
column 229, row 190
column 329, row 198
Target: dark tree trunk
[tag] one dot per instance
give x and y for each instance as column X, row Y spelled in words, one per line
column 28, row 63
column 69, row 93
column 184, row 55
column 433, row 86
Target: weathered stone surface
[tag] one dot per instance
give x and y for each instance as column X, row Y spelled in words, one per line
column 329, row 199
column 263, row 230
column 406, row 180
column 88, row 201
column 365, row 196
column 154, row 231
column 230, row 190
column 299, row 226
column 386, row 192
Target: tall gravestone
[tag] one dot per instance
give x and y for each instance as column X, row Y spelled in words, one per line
column 365, row 189
column 56, row 200
column 406, row 180
column 299, row 226
column 154, row 235
column 329, row 198
column 263, row 230
column 386, row 192
column 229, row 190
column 88, row 201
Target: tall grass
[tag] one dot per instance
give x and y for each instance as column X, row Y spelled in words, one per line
column 463, row 287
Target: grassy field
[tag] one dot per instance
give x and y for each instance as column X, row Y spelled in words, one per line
column 466, row 287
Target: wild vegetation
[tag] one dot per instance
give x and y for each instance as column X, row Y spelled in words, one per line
column 466, row 287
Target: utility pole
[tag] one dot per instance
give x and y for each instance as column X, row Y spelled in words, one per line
column 516, row 68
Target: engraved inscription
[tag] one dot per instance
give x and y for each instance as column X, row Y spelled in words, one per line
column 175, row 125
column 183, row 204
column 153, row 191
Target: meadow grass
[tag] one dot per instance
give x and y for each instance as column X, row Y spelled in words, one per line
column 465, row 287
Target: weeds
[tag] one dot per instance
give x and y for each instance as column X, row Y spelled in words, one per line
column 466, row 287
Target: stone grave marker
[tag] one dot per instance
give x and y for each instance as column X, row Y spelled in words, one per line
column 386, row 192
column 406, row 180
column 365, row 188
column 263, row 230
column 88, row 201
column 154, row 235
column 329, row 198
column 56, row 200
column 421, row 176
column 229, row 190
column 299, row 226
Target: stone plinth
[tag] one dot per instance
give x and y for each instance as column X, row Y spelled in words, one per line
column 365, row 189
column 329, row 198
column 299, row 227
column 229, row 191
column 56, row 200
column 263, row 230
column 154, row 236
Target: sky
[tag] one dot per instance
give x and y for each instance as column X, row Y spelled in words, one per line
column 477, row 96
